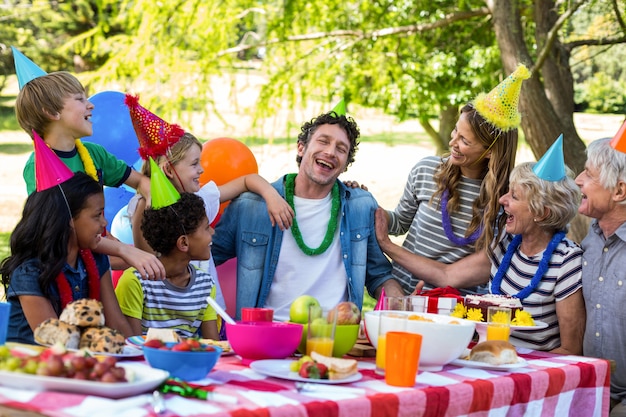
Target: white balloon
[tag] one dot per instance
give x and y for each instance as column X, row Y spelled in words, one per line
column 121, row 227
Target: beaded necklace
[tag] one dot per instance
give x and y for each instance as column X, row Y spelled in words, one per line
column 83, row 153
column 65, row 291
column 541, row 269
column 447, row 226
column 290, row 186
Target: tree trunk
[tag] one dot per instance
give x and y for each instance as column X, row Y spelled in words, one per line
column 546, row 98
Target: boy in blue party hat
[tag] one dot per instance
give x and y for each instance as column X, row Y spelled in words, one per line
column 55, row 106
column 177, row 227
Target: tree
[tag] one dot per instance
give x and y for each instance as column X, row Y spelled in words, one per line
column 418, row 58
column 413, row 59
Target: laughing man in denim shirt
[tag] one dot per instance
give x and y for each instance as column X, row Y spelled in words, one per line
column 330, row 252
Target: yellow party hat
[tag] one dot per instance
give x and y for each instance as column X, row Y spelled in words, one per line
column 499, row 106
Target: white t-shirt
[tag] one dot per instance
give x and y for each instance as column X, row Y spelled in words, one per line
column 322, row 276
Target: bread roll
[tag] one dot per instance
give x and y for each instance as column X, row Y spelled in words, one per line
column 494, row 352
column 84, row 312
column 103, row 340
column 338, row 368
column 53, row 331
column 164, row 335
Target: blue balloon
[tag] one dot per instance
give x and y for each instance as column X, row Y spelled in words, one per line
column 137, row 167
column 112, row 127
column 121, row 227
column 114, row 200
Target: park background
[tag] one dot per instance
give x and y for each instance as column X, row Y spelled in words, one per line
column 255, row 70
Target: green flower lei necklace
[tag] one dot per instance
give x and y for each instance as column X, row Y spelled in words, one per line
column 290, row 186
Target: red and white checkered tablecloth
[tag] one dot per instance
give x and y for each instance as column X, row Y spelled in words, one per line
column 549, row 386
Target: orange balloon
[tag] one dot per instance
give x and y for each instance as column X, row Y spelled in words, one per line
column 224, row 159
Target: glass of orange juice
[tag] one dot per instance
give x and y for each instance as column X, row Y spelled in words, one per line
column 498, row 323
column 320, row 331
column 388, row 321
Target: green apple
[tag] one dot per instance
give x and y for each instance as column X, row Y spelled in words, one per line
column 299, row 310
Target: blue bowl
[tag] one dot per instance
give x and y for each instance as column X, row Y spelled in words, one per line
column 186, row 365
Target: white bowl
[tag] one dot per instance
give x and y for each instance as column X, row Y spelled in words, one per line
column 443, row 340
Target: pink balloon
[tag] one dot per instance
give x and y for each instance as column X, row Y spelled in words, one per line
column 115, row 276
column 227, row 275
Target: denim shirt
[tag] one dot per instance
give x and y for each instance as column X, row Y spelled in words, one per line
column 245, row 232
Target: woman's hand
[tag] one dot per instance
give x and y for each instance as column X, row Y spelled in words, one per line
column 354, row 184
column 382, row 236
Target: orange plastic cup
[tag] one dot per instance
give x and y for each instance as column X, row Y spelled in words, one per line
column 402, row 358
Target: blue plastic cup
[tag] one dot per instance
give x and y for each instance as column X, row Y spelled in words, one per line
column 5, row 313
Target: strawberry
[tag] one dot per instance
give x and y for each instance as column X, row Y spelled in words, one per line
column 323, row 370
column 154, row 343
column 309, row 370
column 182, row 346
column 194, row 344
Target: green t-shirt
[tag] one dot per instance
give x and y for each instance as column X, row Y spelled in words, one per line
column 111, row 171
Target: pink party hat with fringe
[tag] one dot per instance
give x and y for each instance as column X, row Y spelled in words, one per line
column 49, row 169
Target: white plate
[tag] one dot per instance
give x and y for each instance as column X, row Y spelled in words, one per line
column 145, row 379
column 482, row 365
column 481, row 328
column 538, row 325
column 127, row 352
column 138, row 341
column 279, row 368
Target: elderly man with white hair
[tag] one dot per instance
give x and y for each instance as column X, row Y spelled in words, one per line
column 603, row 187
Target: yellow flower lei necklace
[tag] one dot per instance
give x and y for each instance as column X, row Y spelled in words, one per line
column 90, row 167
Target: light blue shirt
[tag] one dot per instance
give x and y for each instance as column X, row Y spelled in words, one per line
column 245, row 232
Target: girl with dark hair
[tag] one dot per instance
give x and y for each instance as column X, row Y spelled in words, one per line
column 51, row 262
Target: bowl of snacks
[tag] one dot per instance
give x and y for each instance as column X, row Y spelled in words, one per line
column 253, row 340
column 188, row 359
column 444, row 338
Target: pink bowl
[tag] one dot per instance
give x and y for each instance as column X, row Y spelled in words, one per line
column 263, row 340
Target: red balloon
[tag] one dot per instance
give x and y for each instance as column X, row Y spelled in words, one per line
column 223, row 160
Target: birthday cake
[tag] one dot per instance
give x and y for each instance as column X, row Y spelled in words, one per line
column 484, row 301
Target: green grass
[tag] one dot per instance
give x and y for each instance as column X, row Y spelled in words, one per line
column 4, row 245
column 8, row 121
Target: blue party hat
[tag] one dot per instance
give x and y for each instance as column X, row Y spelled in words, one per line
column 25, row 69
column 551, row 166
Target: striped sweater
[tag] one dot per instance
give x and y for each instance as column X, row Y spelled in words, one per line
column 422, row 220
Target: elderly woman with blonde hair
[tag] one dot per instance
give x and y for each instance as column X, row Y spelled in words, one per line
column 531, row 260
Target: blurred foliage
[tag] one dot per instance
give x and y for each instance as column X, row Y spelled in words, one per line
column 601, row 94
column 413, row 59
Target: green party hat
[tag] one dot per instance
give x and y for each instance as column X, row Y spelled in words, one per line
column 162, row 190
column 340, row 108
